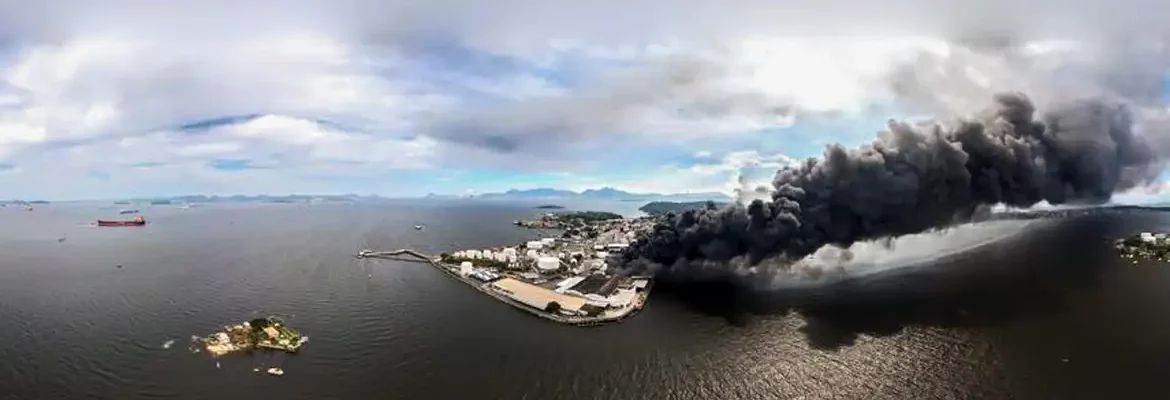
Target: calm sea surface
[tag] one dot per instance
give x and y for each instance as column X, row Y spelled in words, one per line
column 1050, row 315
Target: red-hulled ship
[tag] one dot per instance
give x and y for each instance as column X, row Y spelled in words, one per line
column 137, row 221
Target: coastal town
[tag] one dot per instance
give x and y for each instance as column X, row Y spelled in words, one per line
column 566, row 277
column 1146, row 245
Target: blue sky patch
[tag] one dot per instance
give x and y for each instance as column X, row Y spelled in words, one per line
column 231, row 164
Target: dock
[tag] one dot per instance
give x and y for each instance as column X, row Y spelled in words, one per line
column 398, row 255
column 488, row 289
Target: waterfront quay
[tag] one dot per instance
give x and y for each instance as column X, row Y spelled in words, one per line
column 564, row 279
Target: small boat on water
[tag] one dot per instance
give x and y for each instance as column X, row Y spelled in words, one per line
column 418, row 227
column 275, row 371
column 128, row 212
column 137, row 221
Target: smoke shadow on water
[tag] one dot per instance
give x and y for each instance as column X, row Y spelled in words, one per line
column 1032, row 274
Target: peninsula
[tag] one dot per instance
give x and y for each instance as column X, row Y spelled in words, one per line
column 564, row 279
column 569, row 220
column 658, row 208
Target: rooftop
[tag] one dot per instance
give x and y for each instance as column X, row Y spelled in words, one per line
column 537, row 296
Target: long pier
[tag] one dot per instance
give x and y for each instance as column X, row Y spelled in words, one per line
column 398, row 255
column 415, row 256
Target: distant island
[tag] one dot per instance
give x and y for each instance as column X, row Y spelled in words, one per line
column 657, row 208
column 22, row 202
column 550, row 207
column 294, row 198
column 605, row 193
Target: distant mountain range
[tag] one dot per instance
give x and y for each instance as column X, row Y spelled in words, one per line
column 605, row 193
column 531, row 194
column 295, row 198
column 22, row 202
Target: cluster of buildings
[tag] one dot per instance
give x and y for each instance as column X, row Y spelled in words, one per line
column 1152, row 237
column 1145, row 245
column 568, row 275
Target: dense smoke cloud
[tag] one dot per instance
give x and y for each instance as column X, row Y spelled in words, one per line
column 912, row 178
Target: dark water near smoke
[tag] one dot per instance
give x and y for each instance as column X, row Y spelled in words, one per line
column 1050, row 315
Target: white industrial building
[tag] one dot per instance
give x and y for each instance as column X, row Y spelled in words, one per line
column 501, row 257
column 621, row 298
column 534, row 245
column 548, row 264
column 617, row 246
column 487, row 254
column 568, row 283
column 592, row 265
column 465, row 268
column 548, row 242
column 532, row 254
column 474, row 254
column 509, row 252
column 1147, row 237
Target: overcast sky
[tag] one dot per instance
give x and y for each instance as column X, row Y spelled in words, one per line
column 103, row 99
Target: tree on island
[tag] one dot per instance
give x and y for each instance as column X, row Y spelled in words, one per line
column 552, row 307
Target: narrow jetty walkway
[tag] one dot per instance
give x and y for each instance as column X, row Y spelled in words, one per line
column 399, row 255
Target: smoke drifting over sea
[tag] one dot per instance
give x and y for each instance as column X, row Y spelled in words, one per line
column 914, row 177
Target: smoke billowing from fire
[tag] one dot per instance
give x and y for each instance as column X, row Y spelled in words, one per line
column 912, row 178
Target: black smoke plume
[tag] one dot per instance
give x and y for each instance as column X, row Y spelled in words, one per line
column 912, row 178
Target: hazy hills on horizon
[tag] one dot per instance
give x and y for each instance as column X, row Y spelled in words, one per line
column 604, row 193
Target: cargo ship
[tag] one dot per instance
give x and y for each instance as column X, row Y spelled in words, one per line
column 137, row 221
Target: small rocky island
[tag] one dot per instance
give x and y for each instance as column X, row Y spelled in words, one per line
column 1146, row 245
column 266, row 333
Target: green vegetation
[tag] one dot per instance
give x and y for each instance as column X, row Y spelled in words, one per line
column 552, row 307
column 1155, row 247
column 592, row 310
column 260, row 332
column 587, row 216
column 479, row 262
column 658, row 208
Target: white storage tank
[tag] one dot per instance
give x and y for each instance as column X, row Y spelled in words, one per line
column 465, row 268
column 546, row 264
column 534, row 245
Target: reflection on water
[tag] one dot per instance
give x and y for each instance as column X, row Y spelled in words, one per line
column 1048, row 314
